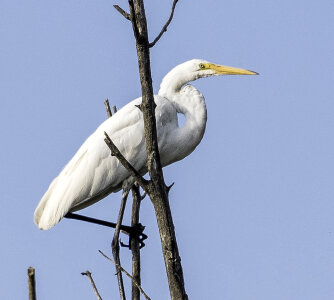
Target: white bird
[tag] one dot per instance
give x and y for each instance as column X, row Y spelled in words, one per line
column 93, row 173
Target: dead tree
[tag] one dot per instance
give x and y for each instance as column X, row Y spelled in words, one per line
column 31, row 283
column 156, row 188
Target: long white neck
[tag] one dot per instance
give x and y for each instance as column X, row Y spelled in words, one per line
column 175, row 80
column 189, row 102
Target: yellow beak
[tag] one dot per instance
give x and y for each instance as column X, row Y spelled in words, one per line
column 225, row 70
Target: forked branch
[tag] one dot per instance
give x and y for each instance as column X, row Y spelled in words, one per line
column 122, row 12
column 133, row 172
column 127, row 274
column 156, row 188
column 164, row 29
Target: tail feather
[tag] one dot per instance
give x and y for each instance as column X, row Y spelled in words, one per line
column 43, row 216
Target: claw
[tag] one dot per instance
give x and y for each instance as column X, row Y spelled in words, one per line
column 124, row 245
column 136, row 232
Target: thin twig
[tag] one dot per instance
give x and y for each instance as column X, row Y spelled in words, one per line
column 164, row 29
column 127, row 274
column 89, row 275
column 169, row 187
column 133, row 20
column 142, row 197
column 122, row 12
column 133, row 172
column 106, row 103
column 115, row 241
column 114, row 108
column 31, row 283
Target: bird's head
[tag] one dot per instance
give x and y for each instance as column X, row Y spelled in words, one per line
column 195, row 69
column 198, row 68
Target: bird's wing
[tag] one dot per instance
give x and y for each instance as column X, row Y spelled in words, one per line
column 167, row 125
column 92, row 173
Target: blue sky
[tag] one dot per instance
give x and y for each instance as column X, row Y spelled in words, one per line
column 253, row 205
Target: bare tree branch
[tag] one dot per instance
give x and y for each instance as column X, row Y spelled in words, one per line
column 127, row 274
column 133, row 20
column 164, row 29
column 169, row 187
column 114, row 108
column 31, row 283
column 157, row 188
column 115, row 241
column 122, row 12
column 133, row 172
column 106, row 103
column 89, row 275
column 134, row 242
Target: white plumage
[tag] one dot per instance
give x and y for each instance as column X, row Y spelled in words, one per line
column 93, row 173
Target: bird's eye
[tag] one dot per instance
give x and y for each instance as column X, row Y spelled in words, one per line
column 201, row 66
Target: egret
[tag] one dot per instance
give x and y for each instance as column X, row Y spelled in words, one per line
column 93, row 173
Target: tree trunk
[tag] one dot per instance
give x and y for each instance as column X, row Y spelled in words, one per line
column 158, row 191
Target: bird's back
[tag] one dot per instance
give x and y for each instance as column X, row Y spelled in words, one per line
column 93, row 173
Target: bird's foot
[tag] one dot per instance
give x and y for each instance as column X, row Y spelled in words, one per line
column 135, row 233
